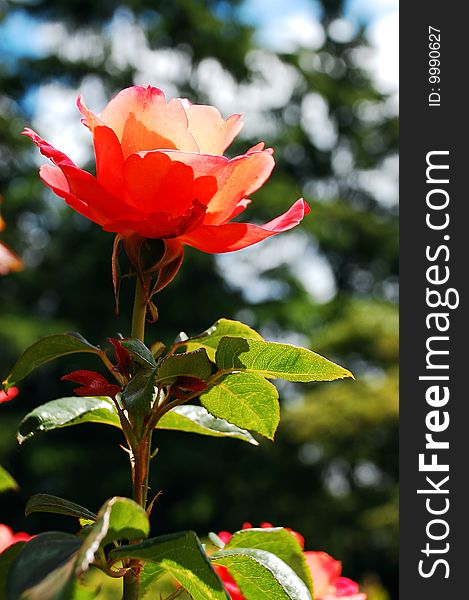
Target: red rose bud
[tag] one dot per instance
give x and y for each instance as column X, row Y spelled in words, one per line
column 93, row 384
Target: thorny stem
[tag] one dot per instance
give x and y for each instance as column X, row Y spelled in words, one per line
column 142, row 450
column 168, row 404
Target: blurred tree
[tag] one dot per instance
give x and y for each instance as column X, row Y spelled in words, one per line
column 332, row 473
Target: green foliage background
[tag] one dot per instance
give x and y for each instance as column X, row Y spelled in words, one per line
column 332, row 472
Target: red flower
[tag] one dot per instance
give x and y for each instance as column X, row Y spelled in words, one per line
column 7, row 396
column 328, row 584
column 93, row 384
column 161, row 173
column 8, row 538
column 325, row 572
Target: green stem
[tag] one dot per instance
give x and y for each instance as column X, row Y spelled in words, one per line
column 140, row 308
column 145, row 483
column 131, row 586
column 143, row 450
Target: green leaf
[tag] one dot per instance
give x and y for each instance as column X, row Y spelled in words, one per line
column 139, row 351
column 247, row 400
column 66, row 412
column 6, row 481
column 182, row 556
column 195, row 419
column 53, row 504
column 272, row 360
column 278, row 541
column 59, row 584
column 150, row 574
column 7, row 557
column 46, row 349
column 138, row 395
column 118, row 519
column 188, row 364
column 210, row 338
column 260, row 574
column 38, row 558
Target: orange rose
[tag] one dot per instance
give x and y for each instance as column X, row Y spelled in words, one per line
column 161, row 173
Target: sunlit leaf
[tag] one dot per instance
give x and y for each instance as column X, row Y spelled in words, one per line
column 272, row 360
column 195, row 419
column 260, row 574
column 247, row 400
column 182, row 556
column 210, row 338
column 66, row 412
column 118, row 519
column 278, row 541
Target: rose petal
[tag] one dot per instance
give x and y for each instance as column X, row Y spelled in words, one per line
column 345, row 587
column 225, row 536
column 159, row 224
column 142, row 120
column 240, row 207
column 236, row 179
column 235, row 236
column 109, row 160
column 157, row 182
column 259, row 147
column 58, row 157
column 90, row 120
column 324, row 570
column 107, row 150
column 212, row 133
column 56, row 180
column 86, row 195
column 89, row 194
